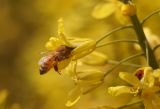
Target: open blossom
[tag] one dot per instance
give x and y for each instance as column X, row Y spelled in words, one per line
column 106, row 8
column 143, row 85
column 63, row 50
column 85, row 81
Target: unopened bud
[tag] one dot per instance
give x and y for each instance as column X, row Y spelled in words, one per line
column 128, row 9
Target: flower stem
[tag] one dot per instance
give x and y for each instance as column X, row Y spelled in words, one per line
column 150, row 15
column 122, row 61
column 114, row 30
column 125, row 106
column 117, row 41
column 124, row 64
column 143, row 41
column 156, row 47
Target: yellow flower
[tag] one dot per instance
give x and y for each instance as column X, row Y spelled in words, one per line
column 95, row 58
column 142, row 85
column 85, row 81
column 156, row 74
column 64, row 49
column 106, row 8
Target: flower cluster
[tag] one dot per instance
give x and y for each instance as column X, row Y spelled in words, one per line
column 144, row 83
column 108, row 7
column 69, row 52
column 64, row 53
column 85, row 81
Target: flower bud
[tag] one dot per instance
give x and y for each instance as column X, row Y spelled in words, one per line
column 90, row 77
column 73, row 96
column 95, row 58
column 128, row 9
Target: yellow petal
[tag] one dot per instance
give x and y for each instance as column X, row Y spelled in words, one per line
column 71, row 69
column 73, row 96
column 129, row 78
column 61, row 34
column 148, row 78
column 153, row 89
column 90, row 75
column 148, row 103
column 63, row 64
column 83, row 49
column 62, row 37
column 156, row 74
column 60, row 26
column 53, row 43
column 118, row 90
column 84, row 83
column 76, row 41
column 91, row 87
column 103, row 10
column 95, row 58
column 151, row 100
column 156, row 101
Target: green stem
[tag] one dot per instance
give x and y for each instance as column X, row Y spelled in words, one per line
column 156, row 47
column 122, row 61
column 122, row 107
column 147, row 53
column 114, row 30
column 124, row 64
column 143, row 41
column 150, row 15
column 116, row 41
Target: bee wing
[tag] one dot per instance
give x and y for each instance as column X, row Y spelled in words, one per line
column 44, row 53
column 42, row 60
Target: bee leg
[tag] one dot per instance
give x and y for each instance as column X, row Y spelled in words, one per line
column 56, row 68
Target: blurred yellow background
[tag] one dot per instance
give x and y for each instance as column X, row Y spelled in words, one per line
column 26, row 25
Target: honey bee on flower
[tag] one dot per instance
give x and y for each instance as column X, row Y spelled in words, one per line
column 52, row 58
column 63, row 50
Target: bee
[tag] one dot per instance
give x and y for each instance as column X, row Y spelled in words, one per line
column 52, row 58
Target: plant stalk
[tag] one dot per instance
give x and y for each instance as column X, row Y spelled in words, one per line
column 143, row 41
